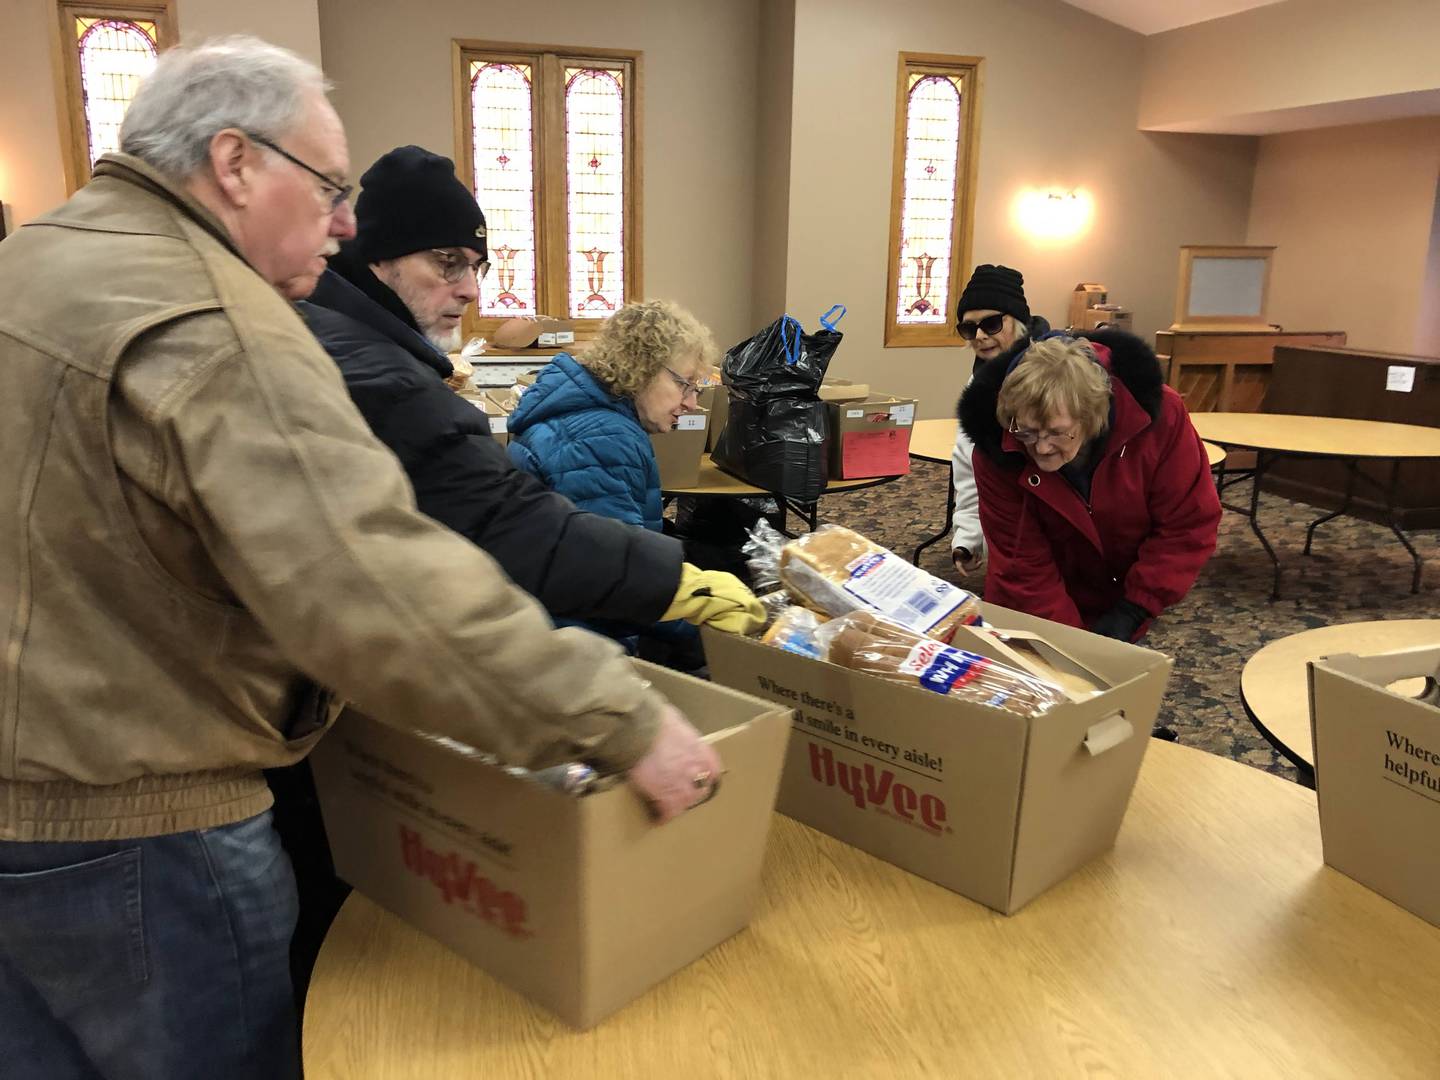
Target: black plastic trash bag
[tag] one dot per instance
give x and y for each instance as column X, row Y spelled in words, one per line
column 777, row 436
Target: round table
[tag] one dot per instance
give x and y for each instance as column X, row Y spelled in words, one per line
column 1275, row 687
column 1210, row 942
column 1279, row 435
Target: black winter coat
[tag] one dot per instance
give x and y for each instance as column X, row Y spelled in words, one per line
column 578, row 565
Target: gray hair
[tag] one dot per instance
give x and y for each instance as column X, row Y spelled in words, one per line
column 193, row 93
column 1022, row 328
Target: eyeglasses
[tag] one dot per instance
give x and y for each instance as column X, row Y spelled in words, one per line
column 338, row 192
column 990, row 325
column 687, row 386
column 1027, row 437
column 454, row 267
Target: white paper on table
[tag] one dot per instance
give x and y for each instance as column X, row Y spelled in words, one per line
column 1399, row 378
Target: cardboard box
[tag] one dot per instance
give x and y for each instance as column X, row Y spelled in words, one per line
column 870, row 437
column 539, row 331
column 497, row 407
column 1377, row 773
column 843, row 390
column 991, row 805
column 1085, row 296
column 554, row 333
column 1118, row 319
column 716, row 401
column 678, row 451
column 580, row 904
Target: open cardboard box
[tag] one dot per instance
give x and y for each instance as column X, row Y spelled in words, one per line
column 994, row 806
column 870, row 437
column 497, row 405
column 678, row 450
column 1377, row 772
column 579, row 903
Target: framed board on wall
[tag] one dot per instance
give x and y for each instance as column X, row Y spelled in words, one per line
column 1223, row 288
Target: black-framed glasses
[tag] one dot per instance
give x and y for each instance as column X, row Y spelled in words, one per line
column 453, row 266
column 990, row 325
column 1027, row 437
column 339, row 192
column 687, row 386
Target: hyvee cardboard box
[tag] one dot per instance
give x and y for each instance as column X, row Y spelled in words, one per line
column 994, row 806
column 580, row 904
column 870, row 437
column 678, row 451
column 1377, row 773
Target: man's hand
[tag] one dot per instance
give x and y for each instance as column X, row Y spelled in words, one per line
column 679, row 772
column 715, row 598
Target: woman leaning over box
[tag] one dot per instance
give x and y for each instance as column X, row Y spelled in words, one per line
column 1095, row 494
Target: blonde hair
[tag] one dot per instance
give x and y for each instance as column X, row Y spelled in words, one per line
column 641, row 338
column 1053, row 373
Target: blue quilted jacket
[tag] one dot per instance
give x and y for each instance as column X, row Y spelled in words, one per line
column 587, row 445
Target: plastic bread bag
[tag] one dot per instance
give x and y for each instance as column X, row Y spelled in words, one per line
column 775, row 603
column 875, row 646
column 794, row 631
column 762, row 554
column 835, row 570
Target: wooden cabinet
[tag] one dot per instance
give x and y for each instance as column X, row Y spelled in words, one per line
column 1351, row 383
column 1227, row 370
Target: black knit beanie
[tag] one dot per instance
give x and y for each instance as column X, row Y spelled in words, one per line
column 994, row 288
column 411, row 200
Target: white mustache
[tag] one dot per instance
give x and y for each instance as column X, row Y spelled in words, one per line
column 332, row 247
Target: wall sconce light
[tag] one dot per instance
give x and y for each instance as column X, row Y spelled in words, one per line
column 1053, row 214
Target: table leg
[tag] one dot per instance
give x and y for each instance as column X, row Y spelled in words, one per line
column 1392, row 516
column 949, row 518
column 1261, row 464
column 1354, row 468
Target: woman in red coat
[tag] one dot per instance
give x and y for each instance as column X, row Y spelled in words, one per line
column 1096, row 498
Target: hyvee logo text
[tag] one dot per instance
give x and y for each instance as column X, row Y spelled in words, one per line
column 867, row 788
column 462, row 882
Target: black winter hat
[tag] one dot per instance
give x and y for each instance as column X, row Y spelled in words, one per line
column 994, row 288
column 411, row 200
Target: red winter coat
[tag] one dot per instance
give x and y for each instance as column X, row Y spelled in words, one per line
column 1153, row 512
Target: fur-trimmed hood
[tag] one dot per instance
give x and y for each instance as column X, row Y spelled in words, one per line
column 1125, row 356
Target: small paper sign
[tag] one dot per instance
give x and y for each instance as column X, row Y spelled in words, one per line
column 903, row 415
column 693, row 422
column 1400, row 379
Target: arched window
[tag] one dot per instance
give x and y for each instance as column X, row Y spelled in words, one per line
column 550, row 147
column 930, row 220
column 109, row 49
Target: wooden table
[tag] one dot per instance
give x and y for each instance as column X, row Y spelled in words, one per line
column 1274, row 687
column 934, row 440
column 1210, row 942
column 1274, row 436
column 717, row 483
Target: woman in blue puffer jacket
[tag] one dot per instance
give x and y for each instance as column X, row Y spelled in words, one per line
column 584, row 427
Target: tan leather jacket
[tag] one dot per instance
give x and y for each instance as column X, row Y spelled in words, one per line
column 195, row 514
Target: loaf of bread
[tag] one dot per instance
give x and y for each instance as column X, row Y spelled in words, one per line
column 862, row 642
column 836, row 571
column 794, row 631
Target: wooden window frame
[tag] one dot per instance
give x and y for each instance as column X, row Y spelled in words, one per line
column 70, row 90
column 552, row 182
column 970, row 69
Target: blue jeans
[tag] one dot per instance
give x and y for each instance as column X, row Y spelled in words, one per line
column 166, row 957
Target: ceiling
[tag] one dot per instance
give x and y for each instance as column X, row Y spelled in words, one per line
column 1155, row 16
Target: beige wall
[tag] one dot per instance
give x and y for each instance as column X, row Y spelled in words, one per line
column 1289, row 56
column 392, row 67
column 1352, row 211
column 32, row 173
column 774, row 103
column 1040, row 126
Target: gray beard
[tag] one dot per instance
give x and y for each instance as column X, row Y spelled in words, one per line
column 446, row 342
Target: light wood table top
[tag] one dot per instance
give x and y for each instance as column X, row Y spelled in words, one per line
column 1275, row 688
column 1210, row 942
column 1321, row 435
column 1214, row 454
column 933, row 440
column 715, row 481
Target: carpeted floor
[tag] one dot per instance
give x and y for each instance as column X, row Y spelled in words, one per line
column 1358, row 572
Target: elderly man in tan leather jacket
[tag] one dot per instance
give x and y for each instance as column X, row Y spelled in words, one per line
column 200, row 533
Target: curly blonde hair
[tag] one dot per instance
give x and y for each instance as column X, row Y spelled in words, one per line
column 641, row 338
column 1052, row 373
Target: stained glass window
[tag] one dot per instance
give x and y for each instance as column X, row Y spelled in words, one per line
column 502, row 108
column 594, row 166
column 114, row 55
column 927, row 215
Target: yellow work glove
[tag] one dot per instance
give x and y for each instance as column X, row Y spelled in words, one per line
column 715, row 598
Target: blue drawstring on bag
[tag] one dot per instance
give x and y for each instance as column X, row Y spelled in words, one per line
column 792, row 347
column 827, row 322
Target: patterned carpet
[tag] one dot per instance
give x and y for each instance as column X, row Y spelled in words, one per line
column 1358, row 572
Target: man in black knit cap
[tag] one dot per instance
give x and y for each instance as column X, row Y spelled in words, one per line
column 992, row 314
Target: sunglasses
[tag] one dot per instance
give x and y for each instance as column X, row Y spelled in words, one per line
column 336, row 193
column 453, row 267
column 989, row 326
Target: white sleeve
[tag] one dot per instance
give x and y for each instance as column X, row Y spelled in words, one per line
column 967, row 498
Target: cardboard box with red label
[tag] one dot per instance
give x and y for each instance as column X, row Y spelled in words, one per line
column 870, row 437
column 995, row 806
column 579, row 903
